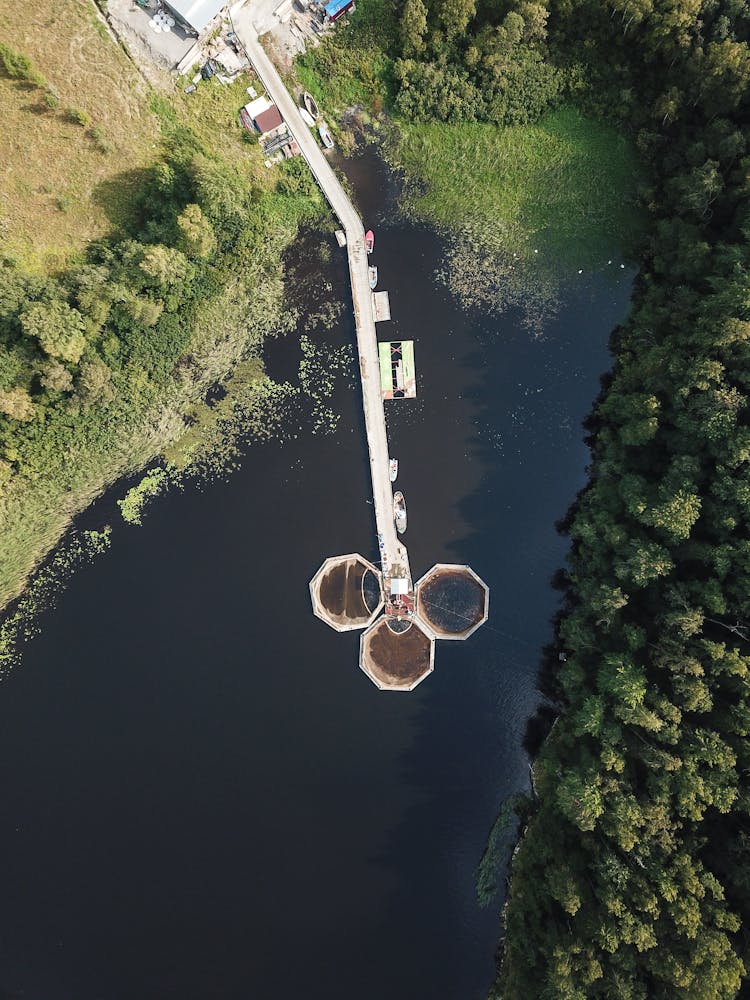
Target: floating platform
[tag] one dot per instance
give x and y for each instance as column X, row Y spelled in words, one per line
column 381, row 306
column 452, row 601
column 396, row 655
column 347, row 592
column 398, row 379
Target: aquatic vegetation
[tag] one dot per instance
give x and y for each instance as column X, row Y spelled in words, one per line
column 319, row 369
column 496, row 854
column 252, row 408
column 22, row 623
column 482, row 274
column 523, row 209
column 132, row 504
column 145, row 326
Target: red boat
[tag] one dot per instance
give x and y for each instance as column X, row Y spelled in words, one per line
column 370, row 240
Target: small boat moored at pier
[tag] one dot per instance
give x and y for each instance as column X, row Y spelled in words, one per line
column 399, row 511
column 325, row 135
column 310, row 105
column 370, row 240
column 372, row 276
column 307, row 118
column 393, row 469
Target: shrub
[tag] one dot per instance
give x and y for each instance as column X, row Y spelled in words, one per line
column 100, row 139
column 78, row 117
column 19, row 67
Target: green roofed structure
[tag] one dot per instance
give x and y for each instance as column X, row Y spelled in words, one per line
column 398, row 378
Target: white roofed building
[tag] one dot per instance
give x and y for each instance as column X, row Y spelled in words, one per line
column 196, row 14
column 258, row 106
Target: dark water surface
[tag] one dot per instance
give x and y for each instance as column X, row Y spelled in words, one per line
column 202, row 796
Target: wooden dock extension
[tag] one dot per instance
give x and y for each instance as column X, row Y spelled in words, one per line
column 381, row 306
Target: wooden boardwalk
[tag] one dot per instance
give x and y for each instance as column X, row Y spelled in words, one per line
column 394, row 556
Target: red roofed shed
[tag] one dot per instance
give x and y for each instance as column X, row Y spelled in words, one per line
column 267, row 121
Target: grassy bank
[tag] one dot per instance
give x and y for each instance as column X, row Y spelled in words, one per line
column 109, row 346
column 352, row 66
column 74, row 146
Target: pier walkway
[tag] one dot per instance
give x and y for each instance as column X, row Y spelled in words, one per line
column 393, row 554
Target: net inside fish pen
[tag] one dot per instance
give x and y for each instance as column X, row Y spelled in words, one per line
column 452, row 601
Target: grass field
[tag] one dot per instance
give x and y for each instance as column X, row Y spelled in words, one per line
column 564, row 187
column 62, row 183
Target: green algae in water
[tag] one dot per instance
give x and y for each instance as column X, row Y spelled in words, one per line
column 21, row 623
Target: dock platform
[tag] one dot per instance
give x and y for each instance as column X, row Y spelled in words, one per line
column 381, row 306
column 398, row 376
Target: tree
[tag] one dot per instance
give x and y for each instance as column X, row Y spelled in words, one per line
column 676, row 514
column 455, row 16
column 413, row 26
column 725, row 75
column 58, row 327
column 534, row 22
column 56, row 377
column 94, row 382
column 643, row 562
column 17, row 403
column 579, row 798
column 164, row 266
column 11, row 368
column 197, row 233
column 144, row 310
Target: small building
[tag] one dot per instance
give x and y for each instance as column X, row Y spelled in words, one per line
column 196, row 15
column 269, row 122
column 336, row 9
column 258, row 106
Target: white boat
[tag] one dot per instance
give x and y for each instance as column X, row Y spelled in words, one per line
column 399, row 511
column 393, row 469
column 307, row 118
column 325, row 135
column 372, row 277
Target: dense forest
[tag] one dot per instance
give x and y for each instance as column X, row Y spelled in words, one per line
column 633, row 877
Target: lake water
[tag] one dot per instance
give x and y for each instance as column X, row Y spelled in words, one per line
column 202, row 795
